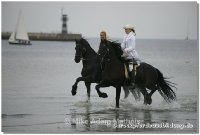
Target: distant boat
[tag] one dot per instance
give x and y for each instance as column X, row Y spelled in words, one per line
column 20, row 35
column 187, row 31
column 187, row 38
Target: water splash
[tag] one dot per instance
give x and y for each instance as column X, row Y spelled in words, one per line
column 158, row 105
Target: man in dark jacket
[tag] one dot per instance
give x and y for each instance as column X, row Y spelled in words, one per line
column 103, row 44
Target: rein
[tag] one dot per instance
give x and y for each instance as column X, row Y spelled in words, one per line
column 103, row 59
column 84, row 59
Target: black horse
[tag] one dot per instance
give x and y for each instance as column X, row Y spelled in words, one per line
column 92, row 68
column 113, row 73
column 91, row 71
column 147, row 77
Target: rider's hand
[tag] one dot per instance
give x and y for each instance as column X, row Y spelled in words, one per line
column 124, row 55
column 126, row 51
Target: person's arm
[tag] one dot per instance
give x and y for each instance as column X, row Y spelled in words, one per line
column 131, row 45
column 123, row 44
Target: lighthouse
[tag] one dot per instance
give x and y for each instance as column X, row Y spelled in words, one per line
column 64, row 22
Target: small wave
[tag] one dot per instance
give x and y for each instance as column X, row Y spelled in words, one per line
column 15, row 115
column 189, row 102
column 113, row 108
column 48, row 123
column 83, row 103
column 51, row 98
column 186, row 101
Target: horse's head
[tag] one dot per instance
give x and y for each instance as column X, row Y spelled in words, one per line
column 80, row 50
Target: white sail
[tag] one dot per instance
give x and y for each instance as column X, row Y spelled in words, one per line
column 20, row 35
column 12, row 37
column 21, row 32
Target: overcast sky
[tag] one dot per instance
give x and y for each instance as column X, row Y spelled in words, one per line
column 158, row 20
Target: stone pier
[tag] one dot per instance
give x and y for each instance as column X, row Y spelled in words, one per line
column 47, row 36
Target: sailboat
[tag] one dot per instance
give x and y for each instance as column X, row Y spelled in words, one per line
column 20, row 35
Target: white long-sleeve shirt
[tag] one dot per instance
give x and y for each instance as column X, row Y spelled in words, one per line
column 128, row 47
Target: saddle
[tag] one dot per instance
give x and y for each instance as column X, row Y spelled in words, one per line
column 127, row 70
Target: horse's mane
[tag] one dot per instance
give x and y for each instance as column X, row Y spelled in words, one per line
column 117, row 48
column 86, row 44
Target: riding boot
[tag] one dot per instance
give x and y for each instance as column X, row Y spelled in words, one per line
column 129, row 72
column 128, row 69
column 133, row 75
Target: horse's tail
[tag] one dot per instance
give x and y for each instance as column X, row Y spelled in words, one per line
column 165, row 88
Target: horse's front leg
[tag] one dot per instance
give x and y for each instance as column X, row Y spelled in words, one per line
column 74, row 87
column 98, row 86
column 118, row 91
column 87, row 84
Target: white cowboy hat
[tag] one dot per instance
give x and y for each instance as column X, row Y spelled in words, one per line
column 128, row 26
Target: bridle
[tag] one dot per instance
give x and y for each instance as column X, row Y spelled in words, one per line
column 81, row 54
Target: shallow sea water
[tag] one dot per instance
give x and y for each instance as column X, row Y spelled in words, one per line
column 37, row 81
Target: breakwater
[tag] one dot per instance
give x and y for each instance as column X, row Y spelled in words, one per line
column 47, row 36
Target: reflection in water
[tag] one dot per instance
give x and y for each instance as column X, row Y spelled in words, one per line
column 87, row 117
column 37, row 62
column 83, row 120
column 117, row 122
column 73, row 117
column 147, row 116
column 111, row 119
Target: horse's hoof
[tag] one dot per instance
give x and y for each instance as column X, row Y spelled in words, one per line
column 74, row 88
column 73, row 92
column 103, row 95
column 149, row 101
column 145, row 102
column 88, row 101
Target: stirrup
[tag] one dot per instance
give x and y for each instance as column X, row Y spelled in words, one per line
column 132, row 85
column 135, row 68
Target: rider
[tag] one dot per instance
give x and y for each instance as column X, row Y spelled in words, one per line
column 129, row 52
column 103, row 43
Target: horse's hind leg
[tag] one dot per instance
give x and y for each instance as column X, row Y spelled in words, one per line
column 146, row 95
column 136, row 93
column 151, row 93
column 153, row 89
column 126, row 91
column 87, row 84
